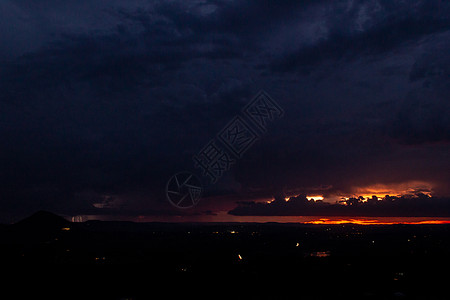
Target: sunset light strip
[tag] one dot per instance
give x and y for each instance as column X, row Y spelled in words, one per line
column 373, row 222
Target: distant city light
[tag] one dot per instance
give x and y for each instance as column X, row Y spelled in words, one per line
column 100, row 258
column 320, row 254
column 77, row 219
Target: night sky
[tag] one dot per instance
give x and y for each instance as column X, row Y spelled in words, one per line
column 101, row 102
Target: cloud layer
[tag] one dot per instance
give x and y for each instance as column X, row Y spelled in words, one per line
column 103, row 100
column 419, row 205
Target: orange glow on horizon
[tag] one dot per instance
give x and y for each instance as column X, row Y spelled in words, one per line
column 315, row 198
column 372, row 222
column 393, row 189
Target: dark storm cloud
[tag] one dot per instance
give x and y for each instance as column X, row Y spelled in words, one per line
column 423, row 117
column 109, row 100
column 101, row 111
column 368, row 29
column 405, row 206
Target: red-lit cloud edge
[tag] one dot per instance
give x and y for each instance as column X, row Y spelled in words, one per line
column 327, row 221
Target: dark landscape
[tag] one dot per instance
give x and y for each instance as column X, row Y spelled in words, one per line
column 52, row 257
column 224, row 149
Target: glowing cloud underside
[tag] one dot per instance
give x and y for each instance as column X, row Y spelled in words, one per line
column 394, row 189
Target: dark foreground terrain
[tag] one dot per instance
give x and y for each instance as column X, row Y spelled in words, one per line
column 49, row 257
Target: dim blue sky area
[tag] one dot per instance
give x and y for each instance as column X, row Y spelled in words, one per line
column 101, row 102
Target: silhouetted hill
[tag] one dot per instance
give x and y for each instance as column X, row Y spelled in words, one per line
column 42, row 221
